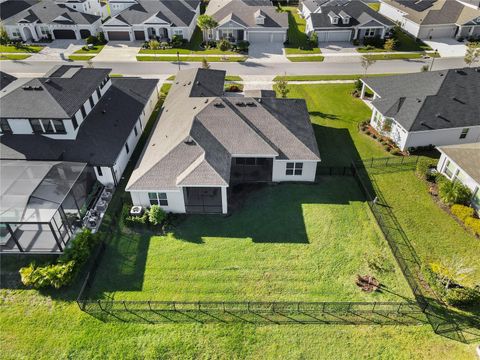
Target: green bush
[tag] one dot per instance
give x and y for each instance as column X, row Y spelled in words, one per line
column 80, row 247
column 474, row 224
column 462, row 212
column 314, row 39
column 423, row 169
column 156, row 215
column 177, row 41
column 243, row 45
column 101, row 38
column 358, row 85
column 55, row 275
column 461, row 296
column 454, row 192
column 132, row 221
column 224, row 45
column 91, row 40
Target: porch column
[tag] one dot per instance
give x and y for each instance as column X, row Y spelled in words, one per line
column 383, row 33
column 362, row 95
column 224, row 200
column 374, row 113
column 145, row 31
column 355, row 34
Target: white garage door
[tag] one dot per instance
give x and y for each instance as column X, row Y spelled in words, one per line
column 343, row 35
column 265, row 37
column 438, row 32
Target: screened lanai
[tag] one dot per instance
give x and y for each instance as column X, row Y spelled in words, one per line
column 41, row 204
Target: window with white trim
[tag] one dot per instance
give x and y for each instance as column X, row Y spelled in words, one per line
column 159, row 199
column 464, row 133
column 5, row 127
column 294, row 169
column 449, row 169
column 370, row 33
column 47, row 126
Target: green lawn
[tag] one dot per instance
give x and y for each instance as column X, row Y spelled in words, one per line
column 297, row 39
column 20, row 49
column 85, row 50
column 81, row 57
column 404, row 42
column 336, row 115
column 326, row 77
column 13, row 57
column 306, row 58
column 192, row 58
column 395, row 56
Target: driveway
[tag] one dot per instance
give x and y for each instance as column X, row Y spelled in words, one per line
column 119, row 51
column 337, row 47
column 266, row 52
column 58, row 50
column 447, row 47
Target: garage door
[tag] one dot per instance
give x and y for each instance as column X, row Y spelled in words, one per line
column 118, row 35
column 64, row 34
column 139, row 35
column 441, row 32
column 265, row 37
column 344, row 35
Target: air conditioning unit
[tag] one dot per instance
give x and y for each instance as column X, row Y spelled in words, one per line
column 136, row 211
column 101, row 205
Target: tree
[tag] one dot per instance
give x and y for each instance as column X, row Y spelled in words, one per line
column 472, row 53
column 314, row 39
column 205, row 64
column 206, row 23
column 390, row 44
column 4, row 39
column 154, row 45
column 367, row 62
column 281, row 85
column 453, row 192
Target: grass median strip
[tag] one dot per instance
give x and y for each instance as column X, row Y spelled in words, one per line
column 13, row 57
column 326, row 77
column 20, row 49
column 81, row 57
column 306, row 58
column 395, row 56
column 192, row 58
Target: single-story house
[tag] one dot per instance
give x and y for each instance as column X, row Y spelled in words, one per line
column 48, row 19
column 346, row 21
column 205, row 142
column 94, row 7
column 308, row 7
column 433, row 19
column 255, row 21
column 462, row 163
column 428, row 108
column 76, row 114
column 9, row 8
column 147, row 19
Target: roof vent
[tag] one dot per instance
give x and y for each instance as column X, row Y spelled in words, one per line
column 189, row 83
column 198, row 82
column 218, row 105
column 440, row 116
column 259, row 100
column 251, row 103
column 28, row 88
column 189, row 141
column 419, row 100
column 240, row 103
column 477, row 69
column 461, row 72
column 458, row 100
column 37, row 88
column 206, row 101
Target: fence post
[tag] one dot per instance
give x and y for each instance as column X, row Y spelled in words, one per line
column 386, row 162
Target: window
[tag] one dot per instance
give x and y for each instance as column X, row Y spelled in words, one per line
column 370, row 33
column 449, row 169
column 47, row 126
column 99, row 94
column 135, row 130
column 99, row 170
column 476, row 198
column 294, row 168
column 90, row 99
column 127, row 149
column 5, row 127
column 74, row 122
column 84, row 113
column 158, row 199
column 178, row 32
column 464, row 133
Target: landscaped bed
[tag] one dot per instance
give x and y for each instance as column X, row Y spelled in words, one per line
column 313, row 58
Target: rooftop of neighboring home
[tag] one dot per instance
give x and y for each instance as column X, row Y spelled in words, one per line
column 437, row 12
column 6, row 79
column 313, row 5
column 356, row 12
column 102, row 134
column 246, row 12
column 429, row 100
column 12, row 7
column 47, row 11
column 466, row 156
column 200, row 130
column 175, row 13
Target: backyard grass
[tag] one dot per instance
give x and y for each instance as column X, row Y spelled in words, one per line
column 297, row 39
column 326, row 77
column 306, row 58
column 335, row 115
column 20, row 49
column 192, row 58
column 81, row 57
column 13, row 57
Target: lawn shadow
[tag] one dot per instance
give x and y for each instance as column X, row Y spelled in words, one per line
column 324, row 115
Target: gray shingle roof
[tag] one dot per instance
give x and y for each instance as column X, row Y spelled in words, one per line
column 6, row 79
column 197, row 136
column 313, row 5
column 101, row 136
column 46, row 11
column 245, row 11
column 176, row 13
column 467, row 156
column 359, row 13
column 10, row 8
column 430, row 100
column 53, row 96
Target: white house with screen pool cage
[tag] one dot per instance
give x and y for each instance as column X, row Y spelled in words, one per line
column 205, row 143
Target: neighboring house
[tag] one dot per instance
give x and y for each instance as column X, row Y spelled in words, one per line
column 147, row 19
column 76, row 114
column 6, row 79
column 50, row 20
column 9, row 8
column 346, row 21
column 204, row 143
column 431, row 19
column 41, row 203
column 429, row 108
column 94, row 7
column 462, row 163
column 255, row 21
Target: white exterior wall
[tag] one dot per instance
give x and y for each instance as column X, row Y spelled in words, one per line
column 442, row 137
column 398, row 16
column 280, row 167
column 107, row 177
column 176, row 201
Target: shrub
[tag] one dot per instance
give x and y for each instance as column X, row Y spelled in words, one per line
column 474, row 224
column 314, row 39
column 462, row 212
column 156, row 215
column 396, row 151
column 132, row 221
column 177, row 41
column 423, row 169
column 234, row 88
column 390, row 45
column 55, row 275
column 164, row 45
column 79, row 248
column 224, row 45
column 368, row 132
column 454, row 192
column 101, row 38
column 91, row 40
column 358, row 85
column 243, row 46
column 461, row 296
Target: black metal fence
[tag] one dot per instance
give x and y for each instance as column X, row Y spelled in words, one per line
column 334, row 171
